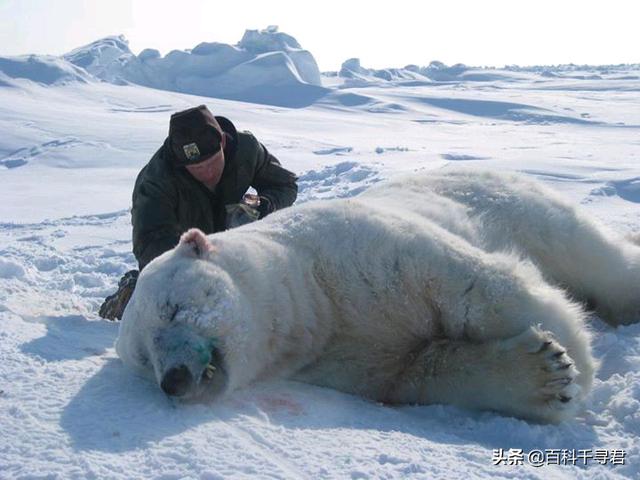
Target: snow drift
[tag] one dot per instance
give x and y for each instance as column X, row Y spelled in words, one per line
column 266, row 66
column 436, row 71
column 44, row 69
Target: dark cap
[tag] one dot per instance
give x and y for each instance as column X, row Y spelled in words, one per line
column 194, row 135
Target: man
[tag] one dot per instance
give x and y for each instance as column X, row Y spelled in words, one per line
column 199, row 178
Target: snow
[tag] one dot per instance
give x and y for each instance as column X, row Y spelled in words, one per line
column 102, row 57
column 438, row 71
column 45, row 69
column 264, row 67
column 70, row 150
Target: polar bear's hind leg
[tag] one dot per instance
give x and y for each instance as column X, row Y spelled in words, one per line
column 529, row 376
column 572, row 250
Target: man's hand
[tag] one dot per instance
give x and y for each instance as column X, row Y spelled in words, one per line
column 251, row 200
column 260, row 203
column 242, row 213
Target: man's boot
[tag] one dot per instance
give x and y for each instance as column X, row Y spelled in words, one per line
column 114, row 305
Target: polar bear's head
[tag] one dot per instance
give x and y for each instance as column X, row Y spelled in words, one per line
column 178, row 320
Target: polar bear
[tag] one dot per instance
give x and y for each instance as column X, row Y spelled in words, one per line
column 459, row 287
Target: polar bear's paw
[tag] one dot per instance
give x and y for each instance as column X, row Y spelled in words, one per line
column 544, row 376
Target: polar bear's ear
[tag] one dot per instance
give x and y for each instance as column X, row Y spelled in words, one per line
column 195, row 242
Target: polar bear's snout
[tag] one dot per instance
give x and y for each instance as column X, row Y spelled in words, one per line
column 177, row 381
column 195, row 380
column 187, row 364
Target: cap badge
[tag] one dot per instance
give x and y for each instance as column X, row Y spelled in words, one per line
column 191, row 151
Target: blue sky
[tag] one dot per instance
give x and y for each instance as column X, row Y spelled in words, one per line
column 381, row 34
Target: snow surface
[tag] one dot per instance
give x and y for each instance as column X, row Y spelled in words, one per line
column 69, row 154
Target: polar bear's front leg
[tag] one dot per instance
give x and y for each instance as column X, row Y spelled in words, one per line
column 529, row 376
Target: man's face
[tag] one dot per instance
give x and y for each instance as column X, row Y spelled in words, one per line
column 210, row 169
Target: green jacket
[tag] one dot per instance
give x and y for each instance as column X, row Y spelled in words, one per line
column 167, row 200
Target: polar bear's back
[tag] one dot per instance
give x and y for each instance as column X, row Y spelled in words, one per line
column 493, row 211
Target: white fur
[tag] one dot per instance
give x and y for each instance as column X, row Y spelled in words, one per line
column 440, row 287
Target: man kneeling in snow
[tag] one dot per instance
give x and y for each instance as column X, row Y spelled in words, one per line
column 199, row 178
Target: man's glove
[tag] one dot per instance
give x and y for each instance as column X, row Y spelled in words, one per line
column 243, row 212
column 265, row 206
column 113, row 306
column 240, row 214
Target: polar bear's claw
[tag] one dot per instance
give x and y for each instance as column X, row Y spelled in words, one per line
column 545, row 346
column 558, row 372
column 546, row 377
